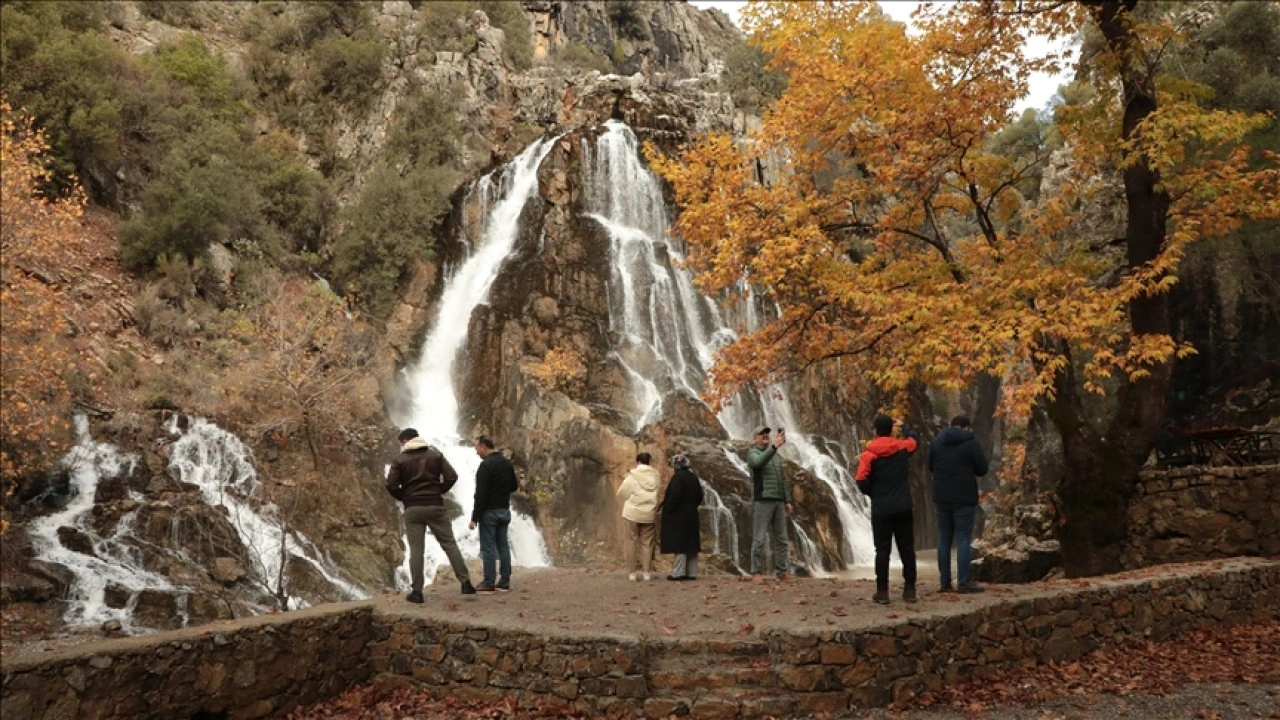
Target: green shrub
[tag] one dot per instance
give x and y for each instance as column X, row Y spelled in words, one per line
column 747, row 77
column 345, row 69
column 194, row 65
column 173, row 12
column 388, row 228
column 194, row 200
column 510, row 17
column 61, row 69
column 581, row 57
column 423, row 132
column 293, row 194
column 625, row 16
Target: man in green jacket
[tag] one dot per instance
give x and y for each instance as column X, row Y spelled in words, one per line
column 771, row 496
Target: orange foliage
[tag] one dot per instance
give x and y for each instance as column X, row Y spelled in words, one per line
column 897, row 239
column 40, row 237
column 561, row 369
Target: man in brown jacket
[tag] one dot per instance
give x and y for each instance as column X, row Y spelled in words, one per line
column 419, row 477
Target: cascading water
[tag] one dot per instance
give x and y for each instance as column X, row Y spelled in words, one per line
column 668, row 333
column 216, row 462
column 113, row 561
column 205, row 456
column 434, row 411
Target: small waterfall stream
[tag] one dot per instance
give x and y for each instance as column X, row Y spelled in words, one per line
column 205, row 456
column 218, row 464
column 114, row 562
column 668, row 333
column 502, row 196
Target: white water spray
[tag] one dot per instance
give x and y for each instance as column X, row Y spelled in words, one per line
column 216, row 462
column 113, row 562
column 434, row 411
column 669, row 334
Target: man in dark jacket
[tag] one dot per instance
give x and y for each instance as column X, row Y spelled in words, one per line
column 956, row 461
column 495, row 481
column 419, row 477
column 882, row 475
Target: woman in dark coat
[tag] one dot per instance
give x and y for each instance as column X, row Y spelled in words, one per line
column 680, row 532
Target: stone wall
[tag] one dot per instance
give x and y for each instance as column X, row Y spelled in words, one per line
column 260, row 667
column 268, row 666
column 813, row 670
column 1198, row 513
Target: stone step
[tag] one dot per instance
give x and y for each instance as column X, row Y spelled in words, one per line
column 731, row 703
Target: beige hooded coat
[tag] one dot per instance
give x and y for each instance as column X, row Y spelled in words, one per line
column 639, row 494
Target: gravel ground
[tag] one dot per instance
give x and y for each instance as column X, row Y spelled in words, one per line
column 1197, row 701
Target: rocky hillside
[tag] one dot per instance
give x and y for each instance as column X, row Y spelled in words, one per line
column 453, row 92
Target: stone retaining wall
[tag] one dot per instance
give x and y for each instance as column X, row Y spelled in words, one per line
column 809, row 670
column 267, row 666
column 260, row 667
column 1196, row 513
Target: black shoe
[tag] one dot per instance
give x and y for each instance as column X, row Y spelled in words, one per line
column 414, row 597
column 485, row 588
column 971, row 589
column 673, row 577
column 468, row 588
column 881, row 596
column 504, row 588
column 909, row 593
column 947, row 589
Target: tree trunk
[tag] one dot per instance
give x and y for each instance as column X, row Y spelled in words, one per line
column 1102, row 467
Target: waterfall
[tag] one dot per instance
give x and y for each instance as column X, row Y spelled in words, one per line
column 434, row 410
column 205, row 456
column 218, row 464
column 724, row 530
column 668, row 333
column 113, row 561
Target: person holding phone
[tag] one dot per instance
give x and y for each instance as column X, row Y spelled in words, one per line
column 771, row 501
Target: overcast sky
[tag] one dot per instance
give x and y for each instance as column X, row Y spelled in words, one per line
column 1042, row 86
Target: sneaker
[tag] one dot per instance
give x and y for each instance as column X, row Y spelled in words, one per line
column 468, row 588
column 414, row 597
column 909, row 593
column 881, row 596
column 646, row 577
column 504, row 588
column 971, row 589
column 633, row 577
column 486, row 588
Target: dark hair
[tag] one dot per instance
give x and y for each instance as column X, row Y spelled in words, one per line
column 485, row 441
column 644, row 458
column 883, row 425
column 408, row 434
column 960, row 421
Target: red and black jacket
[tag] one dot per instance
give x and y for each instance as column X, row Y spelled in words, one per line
column 882, row 473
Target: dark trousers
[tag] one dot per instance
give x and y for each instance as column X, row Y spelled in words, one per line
column 899, row 528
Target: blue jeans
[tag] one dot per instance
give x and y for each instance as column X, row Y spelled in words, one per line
column 955, row 519
column 494, row 545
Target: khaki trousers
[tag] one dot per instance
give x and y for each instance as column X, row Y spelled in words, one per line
column 417, row 521
column 639, row 538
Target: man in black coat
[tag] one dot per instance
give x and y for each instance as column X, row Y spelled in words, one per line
column 495, row 481
column 956, row 461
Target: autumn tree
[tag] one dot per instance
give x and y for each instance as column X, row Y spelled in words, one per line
column 314, row 352
column 900, row 240
column 40, row 369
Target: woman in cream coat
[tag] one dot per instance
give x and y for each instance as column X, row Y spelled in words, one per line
column 639, row 496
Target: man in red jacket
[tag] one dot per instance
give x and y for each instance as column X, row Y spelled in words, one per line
column 419, row 477
column 882, row 475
